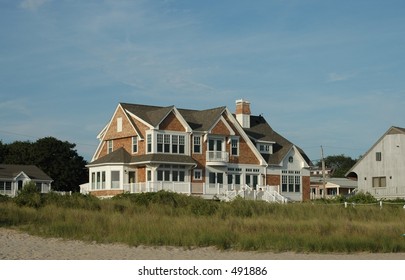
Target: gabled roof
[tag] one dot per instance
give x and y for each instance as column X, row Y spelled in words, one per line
column 153, row 115
column 32, row 171
column 260, row 130
column 119, row 156
column 198, row 120
column 342, row 182
column 391, row 131
column 201, row 120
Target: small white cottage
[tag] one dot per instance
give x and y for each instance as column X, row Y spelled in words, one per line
column 13, row 177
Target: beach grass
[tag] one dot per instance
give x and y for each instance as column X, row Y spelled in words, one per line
column 170, row 219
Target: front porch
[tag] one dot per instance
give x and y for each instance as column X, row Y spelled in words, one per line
column 11, row 188
column 226, row 192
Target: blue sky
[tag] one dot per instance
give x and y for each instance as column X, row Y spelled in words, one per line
column 322, row 72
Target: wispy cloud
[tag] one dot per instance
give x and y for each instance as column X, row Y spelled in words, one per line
column 32, row 5
column 339, row 77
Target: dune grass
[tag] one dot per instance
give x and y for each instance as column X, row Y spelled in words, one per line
column 169, row 219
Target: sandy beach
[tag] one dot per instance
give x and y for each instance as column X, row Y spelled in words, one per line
column 16, row 245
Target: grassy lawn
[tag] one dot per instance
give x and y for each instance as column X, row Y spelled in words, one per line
column 171, row 219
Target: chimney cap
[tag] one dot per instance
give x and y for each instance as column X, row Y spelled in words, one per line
column 242, row 101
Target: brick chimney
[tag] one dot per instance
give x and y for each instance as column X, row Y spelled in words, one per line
column 243, row 113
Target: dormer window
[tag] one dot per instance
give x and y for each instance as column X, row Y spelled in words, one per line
column 265, row 148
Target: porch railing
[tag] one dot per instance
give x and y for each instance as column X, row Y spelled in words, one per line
column 217, row 156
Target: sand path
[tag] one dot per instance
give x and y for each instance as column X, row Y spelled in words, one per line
column 16, row 245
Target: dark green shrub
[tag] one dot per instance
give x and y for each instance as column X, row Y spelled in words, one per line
column 202, row 207
column 29, row 196
column 4, row 198
column 362, row 198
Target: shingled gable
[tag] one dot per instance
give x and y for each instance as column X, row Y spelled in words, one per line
column 260, row 130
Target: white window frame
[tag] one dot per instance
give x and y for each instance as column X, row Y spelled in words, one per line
column 197, row 175
column 197, row 143
column 119, row 124
column 234, row 145
column 110, row 146
column 134, row 144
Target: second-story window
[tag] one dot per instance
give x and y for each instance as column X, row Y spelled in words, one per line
column 174, row 144
column 134, row 144
column 235, row 147
column 149, row 143
column 197, row 144
column 109, row 146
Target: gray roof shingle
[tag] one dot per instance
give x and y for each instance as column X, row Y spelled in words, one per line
column 32, row 171
column 260, row 130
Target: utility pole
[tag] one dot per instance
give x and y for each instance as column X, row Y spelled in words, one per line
column 323, row 174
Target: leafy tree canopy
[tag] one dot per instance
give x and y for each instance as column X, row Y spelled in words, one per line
column 339, row 163
column 56, row 158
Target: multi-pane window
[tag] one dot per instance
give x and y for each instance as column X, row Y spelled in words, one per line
column 5, row 187
column 235, row 147
column 134, row 144
column 171, row 173
column 98, row 180
column 167, row 143
column 284, row 181
column 197, row 174
column 379, row 182
column 378, row 156
column 182, row 144
column 297, row 184
column 149, row 143
column 160, row 143
column 109, row 146
column 264, row 148
column 290, row 182
column 197, row 145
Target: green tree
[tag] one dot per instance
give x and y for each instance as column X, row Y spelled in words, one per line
column 56, row 158
column 19, row 152
column 60, row 161
column 339, row 163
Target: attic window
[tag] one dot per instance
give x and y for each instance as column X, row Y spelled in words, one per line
column 119, row 124
column 378, row 156
column 265, row 148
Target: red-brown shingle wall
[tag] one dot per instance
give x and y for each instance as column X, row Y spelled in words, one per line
column 306, row 188
column 220, row 129
column 273, row 180
column 127, row 129
column 172, row 123
column 246, row 155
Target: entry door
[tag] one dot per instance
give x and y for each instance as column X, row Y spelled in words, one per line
column 215, row 148
column 131, row 177
column 252, row 180
column 216, row 178
column 20, row 185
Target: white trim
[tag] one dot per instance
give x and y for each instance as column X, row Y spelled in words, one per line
column 221, row 118
column 178, row 115
column 140, row 120
column 249, row 142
